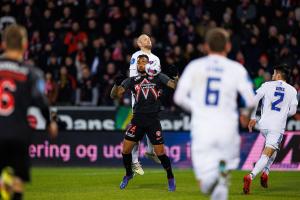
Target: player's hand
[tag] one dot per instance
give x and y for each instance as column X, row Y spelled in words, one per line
column 53, row 129
column 251, row 124
column 118, row 79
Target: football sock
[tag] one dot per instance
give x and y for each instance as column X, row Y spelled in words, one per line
column 270, row 162
column 149, row 146
column 135, row 153
column 127, row 158
column 220, row 192
column 165, row 162
column 259, row 166
column 17, row 196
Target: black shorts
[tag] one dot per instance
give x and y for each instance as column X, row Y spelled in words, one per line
column 142, row 124
column 15, row 155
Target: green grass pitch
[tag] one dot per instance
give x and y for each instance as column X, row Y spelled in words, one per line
column 102, row 184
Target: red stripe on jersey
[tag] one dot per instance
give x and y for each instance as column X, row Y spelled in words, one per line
column 13, row 75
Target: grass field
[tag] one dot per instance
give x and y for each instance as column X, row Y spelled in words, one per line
column 102, row 184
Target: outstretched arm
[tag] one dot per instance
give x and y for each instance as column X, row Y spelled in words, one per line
column 172, row 83
column 117, row 92
column 120, row 87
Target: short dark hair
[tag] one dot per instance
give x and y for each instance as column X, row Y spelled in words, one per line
column 284, row 70
column 216, row 39
column 14, row 36
column 143, row 56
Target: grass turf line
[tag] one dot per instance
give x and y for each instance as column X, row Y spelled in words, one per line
column 102, row 184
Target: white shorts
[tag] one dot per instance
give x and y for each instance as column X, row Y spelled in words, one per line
column 210, row 149
column 273, row 138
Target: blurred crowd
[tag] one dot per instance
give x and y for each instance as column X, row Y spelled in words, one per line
column 82, row 45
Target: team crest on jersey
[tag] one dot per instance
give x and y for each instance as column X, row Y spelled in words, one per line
column 144, row 87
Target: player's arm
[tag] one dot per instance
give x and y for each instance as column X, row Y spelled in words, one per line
column 182, row 92
column 133, row 67
column 40, row 100
column 294, row 105
column 245, row 89
column 167, row 81
column 120, row 87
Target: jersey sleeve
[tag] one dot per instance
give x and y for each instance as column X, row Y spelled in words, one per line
column 127, row 83
column 132, row 68
column 245, row 88
column 294, row 99
column 294, row 104
column 164, row 79
column 157, row 62
column 184, row 86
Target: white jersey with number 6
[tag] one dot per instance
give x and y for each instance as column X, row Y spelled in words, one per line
column 279, row 100
column 208, row 88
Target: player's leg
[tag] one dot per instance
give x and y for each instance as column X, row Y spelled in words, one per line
column 127, row 158
column 136, row 165
column 206, row 172
column 271, row 145
column 150, row 154
column 16, row 172
column 166, row 164
column 133, row 134
column 155, row 136
column 265, row 174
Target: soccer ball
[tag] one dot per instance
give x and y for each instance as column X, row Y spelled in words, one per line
column 153, row 69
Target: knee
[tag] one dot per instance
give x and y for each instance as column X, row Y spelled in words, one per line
column 159, row 150
column 207, row 184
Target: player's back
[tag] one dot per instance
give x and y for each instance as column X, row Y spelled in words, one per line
column 216, row 82
column 277, row 99
column 15, row 98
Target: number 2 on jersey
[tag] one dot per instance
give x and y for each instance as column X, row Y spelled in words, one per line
column 212, row 94
column 278, row 101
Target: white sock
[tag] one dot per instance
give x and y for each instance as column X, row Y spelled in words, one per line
column 220, row 192
column 270, row 162
column 135, row 153
column 149, row 146
column 260, row 165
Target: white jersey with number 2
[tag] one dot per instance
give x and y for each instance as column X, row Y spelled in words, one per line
column 279, row 100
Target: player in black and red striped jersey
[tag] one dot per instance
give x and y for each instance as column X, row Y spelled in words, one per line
column 145, row 88
column 21, row 86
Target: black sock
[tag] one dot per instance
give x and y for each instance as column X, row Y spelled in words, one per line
column 17, row 196
column 127, row 159
column 165, row 162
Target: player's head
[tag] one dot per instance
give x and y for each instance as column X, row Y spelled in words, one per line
column 15, row 38
column 144, row 41
column 142, row 60
column 217, row 40
column 281, row 72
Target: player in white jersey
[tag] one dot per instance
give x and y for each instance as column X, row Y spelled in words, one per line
column 145, row 45
column 279, row 100
column 208, row 89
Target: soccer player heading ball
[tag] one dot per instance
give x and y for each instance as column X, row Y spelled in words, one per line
column 208, row 89
column 145, row 89
column 145, row 45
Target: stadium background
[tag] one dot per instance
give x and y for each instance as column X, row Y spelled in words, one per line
column 82, row 45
